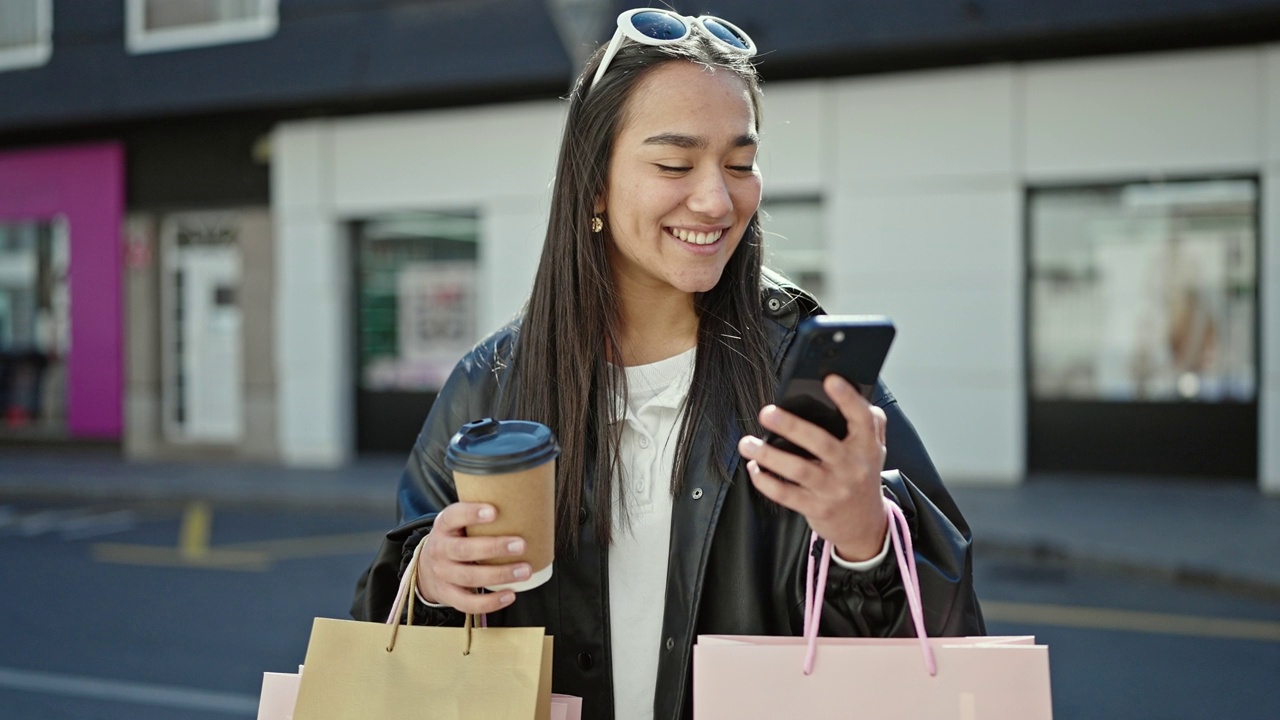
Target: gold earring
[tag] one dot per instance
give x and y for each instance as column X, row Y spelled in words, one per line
column 596, row 224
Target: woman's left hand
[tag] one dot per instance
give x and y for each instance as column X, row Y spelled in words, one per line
column 839, row 491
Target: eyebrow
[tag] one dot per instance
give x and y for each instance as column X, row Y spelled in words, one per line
column 694, row 142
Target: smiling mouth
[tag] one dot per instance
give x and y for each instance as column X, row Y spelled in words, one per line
column 696, row 238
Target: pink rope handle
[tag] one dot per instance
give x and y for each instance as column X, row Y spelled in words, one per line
column 904, row 552
column 410, row 577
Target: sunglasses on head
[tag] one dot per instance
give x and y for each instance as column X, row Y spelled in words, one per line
column 653, row 26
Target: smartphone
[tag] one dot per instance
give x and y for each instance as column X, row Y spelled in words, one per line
column 851, row 346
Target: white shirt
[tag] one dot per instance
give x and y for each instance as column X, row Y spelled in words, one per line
column 642, row 535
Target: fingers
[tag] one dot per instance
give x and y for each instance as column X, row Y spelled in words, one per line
column 857, row 410
column 450, row 570
column 787, row 494
column 792, row 467
column 455, row 518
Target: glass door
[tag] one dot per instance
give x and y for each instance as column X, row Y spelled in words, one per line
column 35, row 327
column 1142, row 328
column 415, row 318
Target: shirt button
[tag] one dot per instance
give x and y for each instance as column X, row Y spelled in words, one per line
column 585, row 661
column 644, row 441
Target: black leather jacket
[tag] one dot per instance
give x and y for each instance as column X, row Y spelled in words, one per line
column 737, row 561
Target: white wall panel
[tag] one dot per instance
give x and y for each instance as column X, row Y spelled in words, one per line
column 795, row 140
column 1271, row 98
column 1269, row 323
column 927, row 125
column 444, row 159
column 312, row 340
column 973, row 431
column 299, row 167
column 513, row 230
column 1172, row 113
column 946, row 267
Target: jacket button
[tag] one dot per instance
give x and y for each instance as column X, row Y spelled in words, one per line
column 671, row 642
column 774, row 304
column 585, row 660
column 582, row 515
column 697, row 493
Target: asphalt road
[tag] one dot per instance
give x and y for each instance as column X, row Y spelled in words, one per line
column 174, row 612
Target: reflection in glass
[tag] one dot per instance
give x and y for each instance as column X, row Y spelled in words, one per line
column 35, row 325
column 794, row 242
column 416, row 298
column 1144, row 292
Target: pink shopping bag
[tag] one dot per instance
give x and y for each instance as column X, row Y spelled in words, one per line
column 279, row 695
column 566, row 707
column 974, row 678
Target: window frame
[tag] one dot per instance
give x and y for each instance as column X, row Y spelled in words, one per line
column 31, row 56
column 138, row 39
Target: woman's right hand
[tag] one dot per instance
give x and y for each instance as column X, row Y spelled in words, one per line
column 449, row 572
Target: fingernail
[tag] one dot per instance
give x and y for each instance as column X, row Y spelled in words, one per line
column 521, row 572
column 507, row 598
column 768, row 411
column 515, row 547
column 486, row 513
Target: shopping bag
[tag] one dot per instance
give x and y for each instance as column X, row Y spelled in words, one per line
column 279, row 695
column 974, row 678
column 360, row 670
column 566, row 707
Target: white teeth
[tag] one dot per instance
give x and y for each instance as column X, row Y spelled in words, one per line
column 697, row 238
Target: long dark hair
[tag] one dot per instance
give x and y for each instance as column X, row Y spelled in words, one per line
column 571, row 324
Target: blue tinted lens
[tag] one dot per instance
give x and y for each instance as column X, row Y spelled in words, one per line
column 722, row 31
column 659, row 26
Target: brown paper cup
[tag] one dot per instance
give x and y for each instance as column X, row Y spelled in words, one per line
column 526, row 505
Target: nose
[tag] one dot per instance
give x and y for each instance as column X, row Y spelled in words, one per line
column 710, row 195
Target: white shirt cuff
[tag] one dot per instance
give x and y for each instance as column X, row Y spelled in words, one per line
column 430, row 604
column 864, row 565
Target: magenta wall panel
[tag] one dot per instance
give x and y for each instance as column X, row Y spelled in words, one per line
column 84, row 184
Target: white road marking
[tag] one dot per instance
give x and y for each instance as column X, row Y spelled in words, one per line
column 128, row 692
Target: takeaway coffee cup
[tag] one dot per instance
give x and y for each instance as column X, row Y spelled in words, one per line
column 510, row 464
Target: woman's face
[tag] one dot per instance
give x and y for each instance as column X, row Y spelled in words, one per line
column 683, row 182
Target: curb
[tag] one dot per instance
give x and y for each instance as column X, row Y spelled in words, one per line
column 1040, row 550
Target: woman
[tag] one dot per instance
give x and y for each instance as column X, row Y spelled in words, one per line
column 650, row 343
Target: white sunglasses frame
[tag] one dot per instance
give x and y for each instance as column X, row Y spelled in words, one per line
column 628, row 31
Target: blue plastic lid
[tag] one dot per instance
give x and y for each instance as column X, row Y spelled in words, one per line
column 493, row 447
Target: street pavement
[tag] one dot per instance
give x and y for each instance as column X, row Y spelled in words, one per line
column 1215, row 533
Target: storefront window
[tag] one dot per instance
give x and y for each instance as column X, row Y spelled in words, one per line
column 1145, row 292
column 35, row 325
column 416, row 298
column 794, row 242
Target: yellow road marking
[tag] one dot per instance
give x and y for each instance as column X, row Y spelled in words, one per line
column 210, row 559
column 314, row 546
column 194, row 550
column 193, row 535
column 1130, row 620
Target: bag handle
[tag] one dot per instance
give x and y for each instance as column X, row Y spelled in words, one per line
column 900, row 536
column 403, row 595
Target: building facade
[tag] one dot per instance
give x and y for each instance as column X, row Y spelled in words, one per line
column 1069, row 209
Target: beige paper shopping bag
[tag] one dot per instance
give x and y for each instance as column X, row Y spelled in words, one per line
column 979, row 678
column 360, row 670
